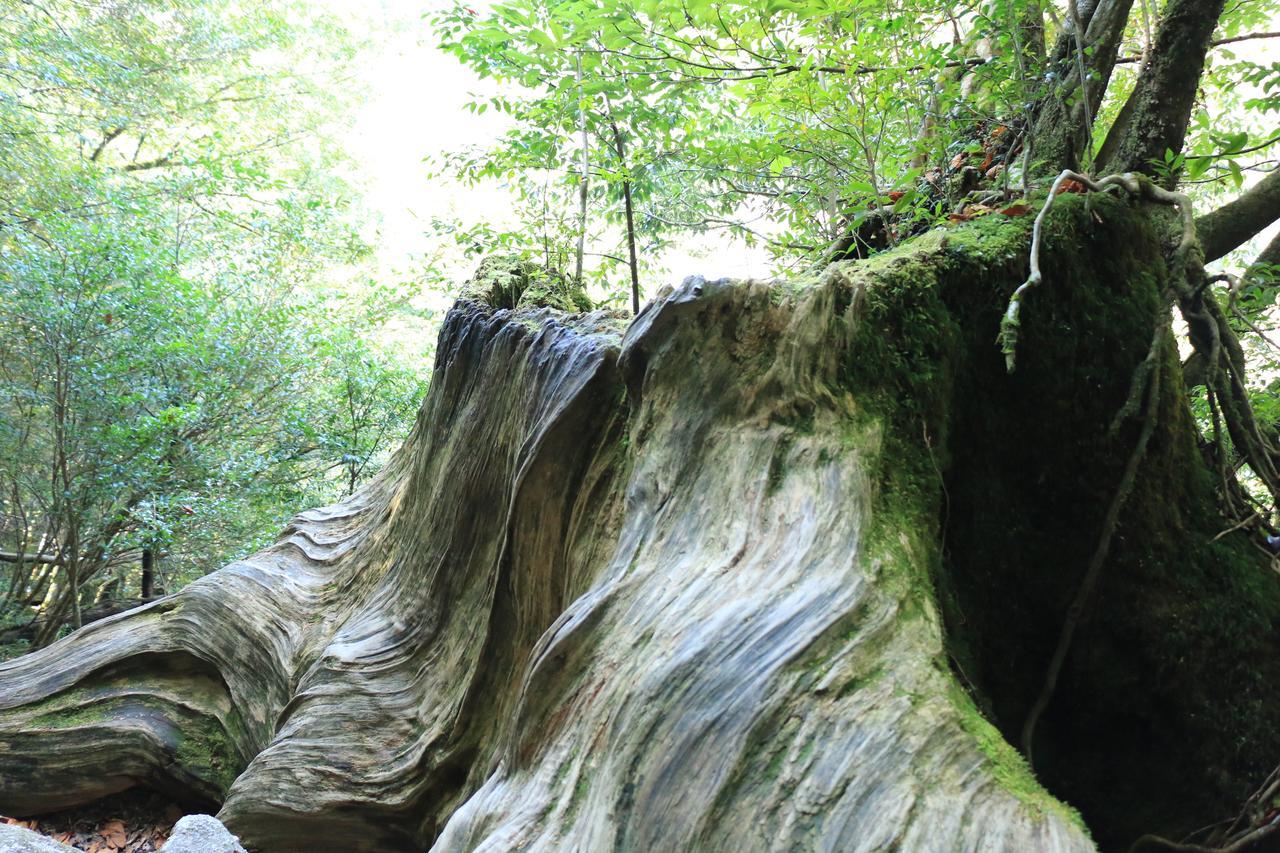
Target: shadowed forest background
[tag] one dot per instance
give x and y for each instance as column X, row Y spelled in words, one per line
column 995, row 418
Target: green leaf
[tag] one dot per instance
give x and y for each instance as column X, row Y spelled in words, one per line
column 1237, row 174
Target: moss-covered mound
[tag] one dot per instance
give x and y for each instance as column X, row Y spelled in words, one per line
column 1167, row 714
column 508, row 281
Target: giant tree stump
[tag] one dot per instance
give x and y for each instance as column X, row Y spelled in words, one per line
column 673, row 587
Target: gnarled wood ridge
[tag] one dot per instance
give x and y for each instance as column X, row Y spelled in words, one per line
column 736, row 576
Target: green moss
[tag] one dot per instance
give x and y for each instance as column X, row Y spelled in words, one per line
column 899, row 355
column 861, row 682
column 201, row 746
column 205, row 751
column 69, row 713
column 498, row 281
column 1006, row 763
column 790, row 291
column 507, row 281
column 898, row 369
column 579, row 796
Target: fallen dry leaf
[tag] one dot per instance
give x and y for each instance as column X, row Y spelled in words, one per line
column 1018, row 209
column 113, row 834
column 136, row 821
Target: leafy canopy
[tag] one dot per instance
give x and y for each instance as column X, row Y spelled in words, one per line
column 789, row 122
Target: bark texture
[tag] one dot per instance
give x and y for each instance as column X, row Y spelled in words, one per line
column 1156, row 116
column 684, row 587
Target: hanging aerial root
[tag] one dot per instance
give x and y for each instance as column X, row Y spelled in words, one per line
column 1226, row 387
column 1146, row 368
column 1136, row 185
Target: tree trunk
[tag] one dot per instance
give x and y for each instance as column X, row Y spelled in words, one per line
column 633, row 262
column 1155, row 117
column 148, row 571
column 1064, row 122
column 738, row 577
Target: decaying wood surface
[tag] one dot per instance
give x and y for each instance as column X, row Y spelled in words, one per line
column 617, row 591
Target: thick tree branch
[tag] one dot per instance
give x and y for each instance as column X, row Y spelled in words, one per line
column 1264, row 265
column 1133, row 58
column 144, row 165
column 106, row 140
column 1233, row 224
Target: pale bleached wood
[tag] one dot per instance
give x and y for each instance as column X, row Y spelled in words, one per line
column 613, row 593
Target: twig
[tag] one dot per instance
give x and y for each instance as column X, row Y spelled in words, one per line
column 1238, row 525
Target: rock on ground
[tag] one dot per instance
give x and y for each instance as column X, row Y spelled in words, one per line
column 201, row 833
column 15, row 839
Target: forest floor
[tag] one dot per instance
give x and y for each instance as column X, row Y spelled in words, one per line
column 133, row 821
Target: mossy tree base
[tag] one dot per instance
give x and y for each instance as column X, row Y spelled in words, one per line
column 678, row 588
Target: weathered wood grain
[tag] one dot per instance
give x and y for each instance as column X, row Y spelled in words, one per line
column 615, row 592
